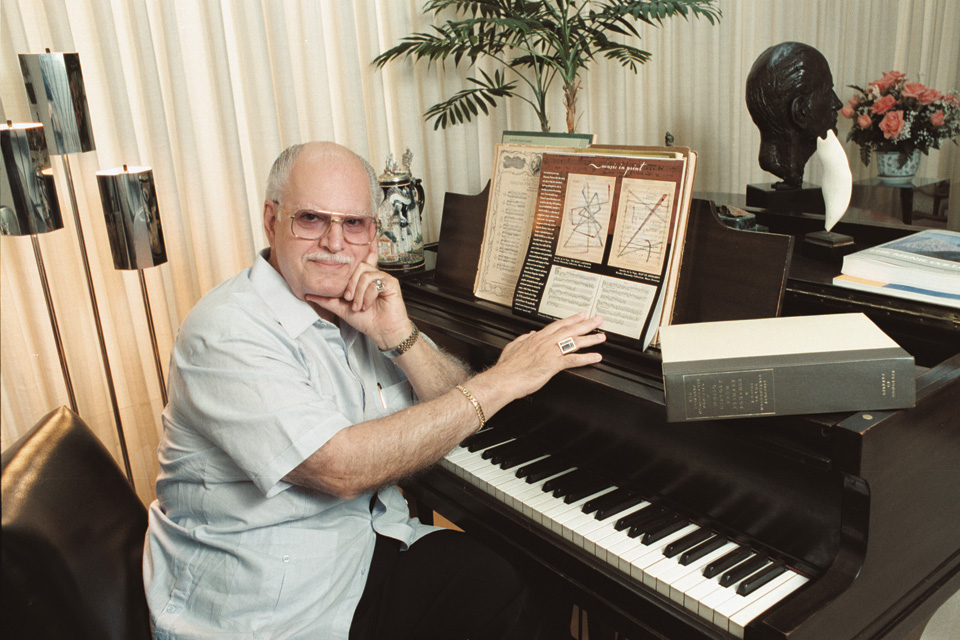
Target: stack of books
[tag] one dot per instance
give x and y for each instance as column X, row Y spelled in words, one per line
column 924, row 266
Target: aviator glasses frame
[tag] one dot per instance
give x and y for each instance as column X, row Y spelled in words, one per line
column 332, row 218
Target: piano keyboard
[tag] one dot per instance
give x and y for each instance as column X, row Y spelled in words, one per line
column 722, row 582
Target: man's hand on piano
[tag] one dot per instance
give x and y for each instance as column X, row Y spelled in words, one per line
column 528, row 362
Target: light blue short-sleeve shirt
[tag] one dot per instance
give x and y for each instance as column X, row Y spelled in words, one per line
column 258, row 382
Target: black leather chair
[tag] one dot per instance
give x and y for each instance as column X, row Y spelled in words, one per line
column 72, row 538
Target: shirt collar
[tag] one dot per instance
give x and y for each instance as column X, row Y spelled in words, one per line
column 294, row 314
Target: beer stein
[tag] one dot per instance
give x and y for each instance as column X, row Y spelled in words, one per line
column 400, row 244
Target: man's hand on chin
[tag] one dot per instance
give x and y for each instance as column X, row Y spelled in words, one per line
column 371, row 303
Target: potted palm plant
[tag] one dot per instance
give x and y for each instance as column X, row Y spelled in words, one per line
column 534, row 43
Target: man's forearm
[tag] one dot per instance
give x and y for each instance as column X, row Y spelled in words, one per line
column 376, row 453
column 429, row 370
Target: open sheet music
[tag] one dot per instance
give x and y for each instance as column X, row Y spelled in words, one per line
column 602, row 234
column 509, row 221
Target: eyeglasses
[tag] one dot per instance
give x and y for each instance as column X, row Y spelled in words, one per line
column 308, row 224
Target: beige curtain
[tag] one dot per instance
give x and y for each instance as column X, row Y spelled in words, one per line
column 207, row 92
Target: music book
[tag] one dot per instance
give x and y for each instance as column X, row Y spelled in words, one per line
column 603, row 236
column 783, row 366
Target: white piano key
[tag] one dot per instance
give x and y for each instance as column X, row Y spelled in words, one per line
column 723, row 613
column 512, row 490
column 621, row 550
column 745, row 616
column 594, row 542
column 593, row 539
column 474, row 463
column 582, row 526
column 653, row 552
column 538, row 504
column 457, row 454
column 693, row 597
column 564, row 520
column 691, row 579
column 717, row 598
column 665, row 570
column 562, row 513
column 670, row 577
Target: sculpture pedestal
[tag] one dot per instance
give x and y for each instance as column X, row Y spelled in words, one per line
column 808, row 198
column 827, row 245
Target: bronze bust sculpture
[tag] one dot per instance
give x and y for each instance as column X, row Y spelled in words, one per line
column 791, row 99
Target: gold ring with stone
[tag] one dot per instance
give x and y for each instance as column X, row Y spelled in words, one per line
column 378, row 283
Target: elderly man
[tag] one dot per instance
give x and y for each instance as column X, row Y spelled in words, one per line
column 791, row 99
column 300, row 392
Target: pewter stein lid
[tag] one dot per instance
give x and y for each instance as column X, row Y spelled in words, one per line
column 393, row 174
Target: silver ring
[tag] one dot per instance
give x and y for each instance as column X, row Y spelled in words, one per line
column 378, row 283
column 567, row 345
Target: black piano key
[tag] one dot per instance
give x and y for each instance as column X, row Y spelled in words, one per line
column 760, row 578
column 537, row 471
column 665, row 529
column 473, row 437
column 589, row 487
column 506, row 450
column 651, row 524
column 526, row 454
column 498, row 449
column 726, row 561
column 742, row 570
column 606, row 512
column 702, row 549
column 682, row 544
column 649, row 511
column 487, row 438
column 560, row 486
column 606, row 500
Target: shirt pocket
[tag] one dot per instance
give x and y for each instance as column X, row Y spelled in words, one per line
column 396, row 396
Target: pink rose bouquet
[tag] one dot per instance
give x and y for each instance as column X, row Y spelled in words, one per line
column 895, row 114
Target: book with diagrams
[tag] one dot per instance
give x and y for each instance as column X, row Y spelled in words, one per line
column 604, row 236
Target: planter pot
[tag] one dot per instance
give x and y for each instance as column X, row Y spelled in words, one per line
column 890, row 170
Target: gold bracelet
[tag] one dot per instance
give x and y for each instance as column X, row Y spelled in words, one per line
column 476, row 405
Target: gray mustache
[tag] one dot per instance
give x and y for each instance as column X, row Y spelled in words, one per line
column 328, row 257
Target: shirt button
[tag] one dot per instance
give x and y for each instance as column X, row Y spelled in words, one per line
column 286, row 558
column 171, row 609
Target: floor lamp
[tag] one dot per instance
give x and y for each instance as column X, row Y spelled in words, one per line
column 28, row 206
column 130, row 209
column 57, row 98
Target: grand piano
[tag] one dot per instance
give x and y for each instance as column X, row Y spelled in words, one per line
column 821, row 527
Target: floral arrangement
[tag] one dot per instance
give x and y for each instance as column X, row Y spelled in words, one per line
column 894, row 114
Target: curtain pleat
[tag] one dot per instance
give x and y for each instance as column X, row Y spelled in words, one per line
column 207, row 93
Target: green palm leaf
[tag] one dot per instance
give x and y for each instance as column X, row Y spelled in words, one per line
column 535, row 41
